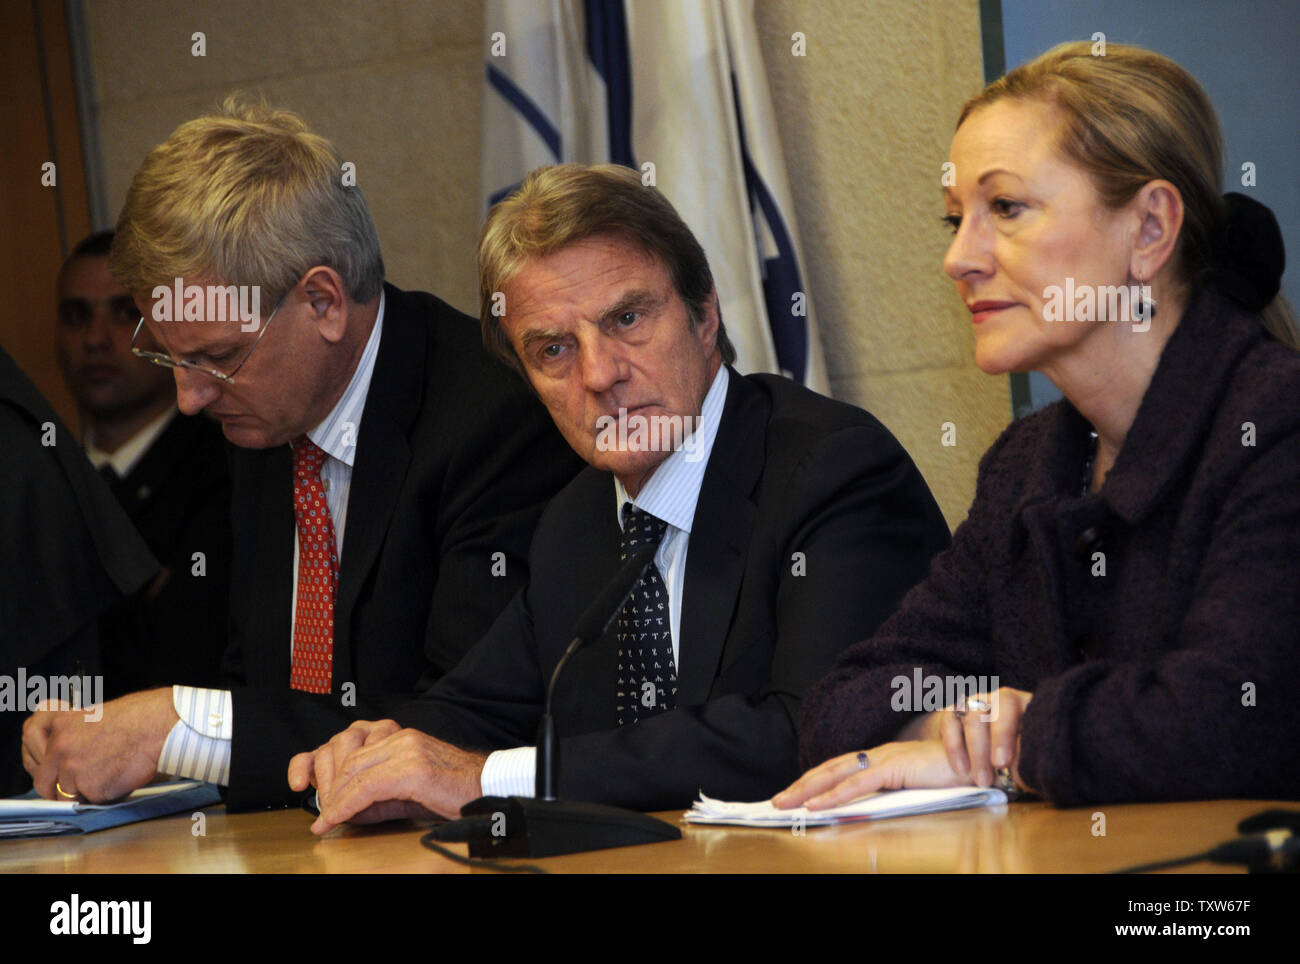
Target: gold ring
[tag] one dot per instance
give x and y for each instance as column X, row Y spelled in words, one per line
column 63, row 792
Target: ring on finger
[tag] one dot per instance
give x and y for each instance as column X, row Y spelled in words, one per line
column 63, row 792
column 977, row 705
column 863, row 762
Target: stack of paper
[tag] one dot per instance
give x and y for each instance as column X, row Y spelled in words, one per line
column 30, row 816
column 875, row 806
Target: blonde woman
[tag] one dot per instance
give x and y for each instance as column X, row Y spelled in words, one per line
column 1118, row 617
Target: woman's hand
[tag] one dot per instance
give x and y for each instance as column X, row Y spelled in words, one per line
column 954, row 747
column 893, row 766
column 983, row 734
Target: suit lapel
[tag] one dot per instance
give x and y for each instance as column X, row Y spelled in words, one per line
column 720, row 534
column 159, row 463
column 383, row 453
column 593, row 672
column 267, row 618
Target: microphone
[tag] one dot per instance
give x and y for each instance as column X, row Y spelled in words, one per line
column 543, row 826
column 1275, row 819
column 1270, row 845
column 592, row 625
column 1275, row 851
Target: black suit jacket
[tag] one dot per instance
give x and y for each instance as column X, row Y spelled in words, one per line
column 812, row 522
column 67, row 553
column 178, row 497
column 455, row 460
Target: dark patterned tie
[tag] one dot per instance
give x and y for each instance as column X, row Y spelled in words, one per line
column 647, row 675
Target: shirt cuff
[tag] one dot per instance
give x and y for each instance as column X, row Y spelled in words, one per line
column 198, row 746
column 510, row 773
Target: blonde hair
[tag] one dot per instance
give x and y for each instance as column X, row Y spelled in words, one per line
column 247, row 196
column 559, row 205
column 1131, row 116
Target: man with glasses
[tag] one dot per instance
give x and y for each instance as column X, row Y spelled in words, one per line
column 387, row 476
column 167, row 470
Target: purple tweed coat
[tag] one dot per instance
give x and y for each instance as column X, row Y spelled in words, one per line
column 1176, row 673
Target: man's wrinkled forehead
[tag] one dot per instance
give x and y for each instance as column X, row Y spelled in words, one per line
column 597, row 285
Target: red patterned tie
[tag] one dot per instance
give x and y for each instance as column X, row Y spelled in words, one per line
column 318, row 570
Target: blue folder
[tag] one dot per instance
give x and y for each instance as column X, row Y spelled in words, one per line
column 32, row 816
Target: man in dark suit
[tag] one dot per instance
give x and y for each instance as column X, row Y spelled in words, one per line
column 787, row 527
column 454, row 465
column 168, row 472
column 371, row 424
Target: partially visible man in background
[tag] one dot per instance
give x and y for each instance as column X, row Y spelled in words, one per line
column 167, row 470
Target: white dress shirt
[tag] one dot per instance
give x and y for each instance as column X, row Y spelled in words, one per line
column 130, row 453
column 198, row 746
column 670, row 494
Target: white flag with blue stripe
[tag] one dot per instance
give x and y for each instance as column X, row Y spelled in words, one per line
column 680, row 85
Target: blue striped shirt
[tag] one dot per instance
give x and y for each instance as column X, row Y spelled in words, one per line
column 671, row 493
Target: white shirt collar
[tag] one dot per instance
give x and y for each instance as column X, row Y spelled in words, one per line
column 337, row 434
column 128, row 455
column 674, row 487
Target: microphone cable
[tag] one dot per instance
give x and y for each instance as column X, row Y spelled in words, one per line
column 460, row 831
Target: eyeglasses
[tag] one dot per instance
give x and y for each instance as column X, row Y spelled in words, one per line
column 167, row 361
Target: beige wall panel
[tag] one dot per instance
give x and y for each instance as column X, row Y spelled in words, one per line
column 425, row 25
column 915, row 406
column 143, row 48
column 865, row 120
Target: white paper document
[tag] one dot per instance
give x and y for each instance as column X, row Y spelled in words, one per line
column 875, row 806
column 39, row 807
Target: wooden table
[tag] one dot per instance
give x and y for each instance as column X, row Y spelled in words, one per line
column 1028, row 837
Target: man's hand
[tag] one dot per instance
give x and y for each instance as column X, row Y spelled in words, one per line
column 893, row 766
column 98, row 757
column 319, row 767
column 376, row 771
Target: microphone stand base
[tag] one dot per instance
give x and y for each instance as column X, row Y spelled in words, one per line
column 527, row 827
